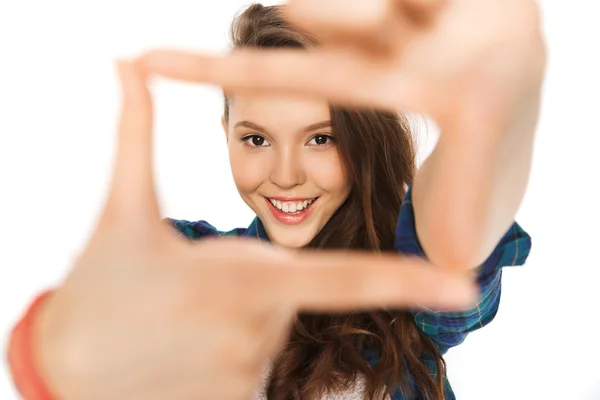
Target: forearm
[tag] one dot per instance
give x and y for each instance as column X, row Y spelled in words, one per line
column 467, row 193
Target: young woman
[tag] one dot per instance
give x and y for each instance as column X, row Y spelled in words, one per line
column 318, row 176
column 334, row 178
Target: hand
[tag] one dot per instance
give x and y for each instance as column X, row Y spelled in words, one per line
column 145, row 314
column 467, row 63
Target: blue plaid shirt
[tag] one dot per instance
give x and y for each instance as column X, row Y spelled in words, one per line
column 445, row 329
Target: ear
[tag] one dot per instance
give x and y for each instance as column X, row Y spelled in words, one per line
column 225, row 127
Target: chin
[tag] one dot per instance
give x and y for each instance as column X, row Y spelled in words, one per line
column 290, row 237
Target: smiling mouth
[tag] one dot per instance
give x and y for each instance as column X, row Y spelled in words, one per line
column 292, row 207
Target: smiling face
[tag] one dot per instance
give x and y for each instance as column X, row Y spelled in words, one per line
column 285, row 164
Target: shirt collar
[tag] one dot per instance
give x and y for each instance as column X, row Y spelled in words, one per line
column 256, row 229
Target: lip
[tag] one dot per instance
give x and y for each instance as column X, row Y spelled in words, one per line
column 291, row 198
column 290, row 219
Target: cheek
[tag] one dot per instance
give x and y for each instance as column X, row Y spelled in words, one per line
column 249, row 170
column 327, row 173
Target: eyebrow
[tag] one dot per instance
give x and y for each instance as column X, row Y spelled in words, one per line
column 310, row 128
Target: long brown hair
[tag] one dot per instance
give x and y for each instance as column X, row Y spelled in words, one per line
column 325, row 352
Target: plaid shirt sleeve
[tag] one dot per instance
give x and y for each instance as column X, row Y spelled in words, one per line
column 195, row 230
column 449, row 329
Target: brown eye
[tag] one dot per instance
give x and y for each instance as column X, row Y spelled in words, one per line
column 256, row 141
column 321, row 140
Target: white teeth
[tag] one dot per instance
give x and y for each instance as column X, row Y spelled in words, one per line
column 291, row 207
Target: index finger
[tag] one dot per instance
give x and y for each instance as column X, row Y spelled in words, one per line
column 331, row 18
column 132, row 194
column 337, row 281
column 339, row 76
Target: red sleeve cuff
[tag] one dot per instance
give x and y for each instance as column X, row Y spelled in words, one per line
column 20, row 355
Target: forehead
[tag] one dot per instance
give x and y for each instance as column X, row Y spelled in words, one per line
column 277, row 109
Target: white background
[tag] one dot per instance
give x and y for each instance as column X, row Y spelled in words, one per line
column 58, row 108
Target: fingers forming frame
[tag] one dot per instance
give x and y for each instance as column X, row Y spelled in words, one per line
column 330, row 74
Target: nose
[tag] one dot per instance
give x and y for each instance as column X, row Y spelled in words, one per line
column 288, row 170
